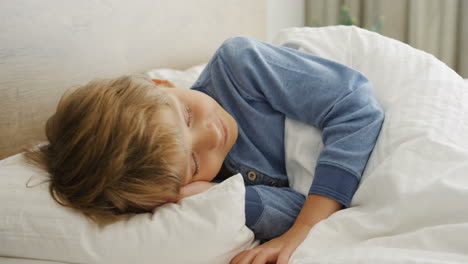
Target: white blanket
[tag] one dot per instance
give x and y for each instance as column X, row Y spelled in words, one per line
column 412, row 203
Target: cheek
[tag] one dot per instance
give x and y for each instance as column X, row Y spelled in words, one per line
column 211, row 166
column 204, row 101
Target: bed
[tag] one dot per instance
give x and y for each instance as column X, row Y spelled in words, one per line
column 411, row 203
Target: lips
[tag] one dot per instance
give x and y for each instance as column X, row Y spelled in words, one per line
column 225, row 131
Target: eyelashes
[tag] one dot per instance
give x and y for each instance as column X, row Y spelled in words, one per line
column 189, row 124
column 189, row 116
column 196, row 164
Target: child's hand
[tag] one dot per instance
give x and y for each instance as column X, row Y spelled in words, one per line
column 194, row 188
column 277, row 250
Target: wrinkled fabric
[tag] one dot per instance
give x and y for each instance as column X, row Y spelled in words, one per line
column 259, row 85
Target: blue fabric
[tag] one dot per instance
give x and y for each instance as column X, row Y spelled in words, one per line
column 259, row 85
column 278, row 207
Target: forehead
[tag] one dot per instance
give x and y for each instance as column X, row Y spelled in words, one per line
column 170, row 116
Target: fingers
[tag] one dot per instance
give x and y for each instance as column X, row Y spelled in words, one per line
column 256, row 256
column 239, row 257
column 278, row 251
column 285, row 254
column 245, row 257
column 265, row 256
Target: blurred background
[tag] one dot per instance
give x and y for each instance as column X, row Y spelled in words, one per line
column 439, row 27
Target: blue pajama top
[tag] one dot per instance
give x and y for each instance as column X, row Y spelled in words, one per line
column 259, row 85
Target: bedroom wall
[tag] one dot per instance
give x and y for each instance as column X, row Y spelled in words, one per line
column 282, row 14
column 48, row 46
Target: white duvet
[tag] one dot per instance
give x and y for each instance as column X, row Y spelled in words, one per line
column 412, row 203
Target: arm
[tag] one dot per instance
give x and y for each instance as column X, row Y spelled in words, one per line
column 322, row 93
column 315, row 209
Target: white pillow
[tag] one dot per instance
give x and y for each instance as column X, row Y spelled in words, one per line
column 206, row 228
column 389, row 64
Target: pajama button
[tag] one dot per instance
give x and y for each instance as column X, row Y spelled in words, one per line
column 252, row 175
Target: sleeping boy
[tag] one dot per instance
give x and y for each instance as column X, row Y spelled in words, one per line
column 128, row 145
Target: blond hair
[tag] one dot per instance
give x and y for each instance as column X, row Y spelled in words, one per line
column 107, row 156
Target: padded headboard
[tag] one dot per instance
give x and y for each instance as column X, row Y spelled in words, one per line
column 49, row 46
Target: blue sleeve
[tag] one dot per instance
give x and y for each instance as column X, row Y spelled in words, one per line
column 271, row 211
column 336, row 99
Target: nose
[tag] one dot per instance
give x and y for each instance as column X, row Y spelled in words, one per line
column 208, row 134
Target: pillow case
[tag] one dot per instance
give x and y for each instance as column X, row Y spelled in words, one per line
column 410, row 206
column 34, row 226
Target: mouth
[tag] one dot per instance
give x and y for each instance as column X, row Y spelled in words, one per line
column 225, row 131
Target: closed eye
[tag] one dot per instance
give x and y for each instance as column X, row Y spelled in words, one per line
column 189, row 120
column 188, row 112
column 196, row 165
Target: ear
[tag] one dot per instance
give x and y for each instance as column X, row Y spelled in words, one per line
column 172, row 199
column 163, row 83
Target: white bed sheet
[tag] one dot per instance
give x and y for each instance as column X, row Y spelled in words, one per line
column 411, row 205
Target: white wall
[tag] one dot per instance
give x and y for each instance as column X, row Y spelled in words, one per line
column 48, row 46
column 282, row 14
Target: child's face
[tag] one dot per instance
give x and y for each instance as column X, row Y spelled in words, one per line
column 208, row 133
